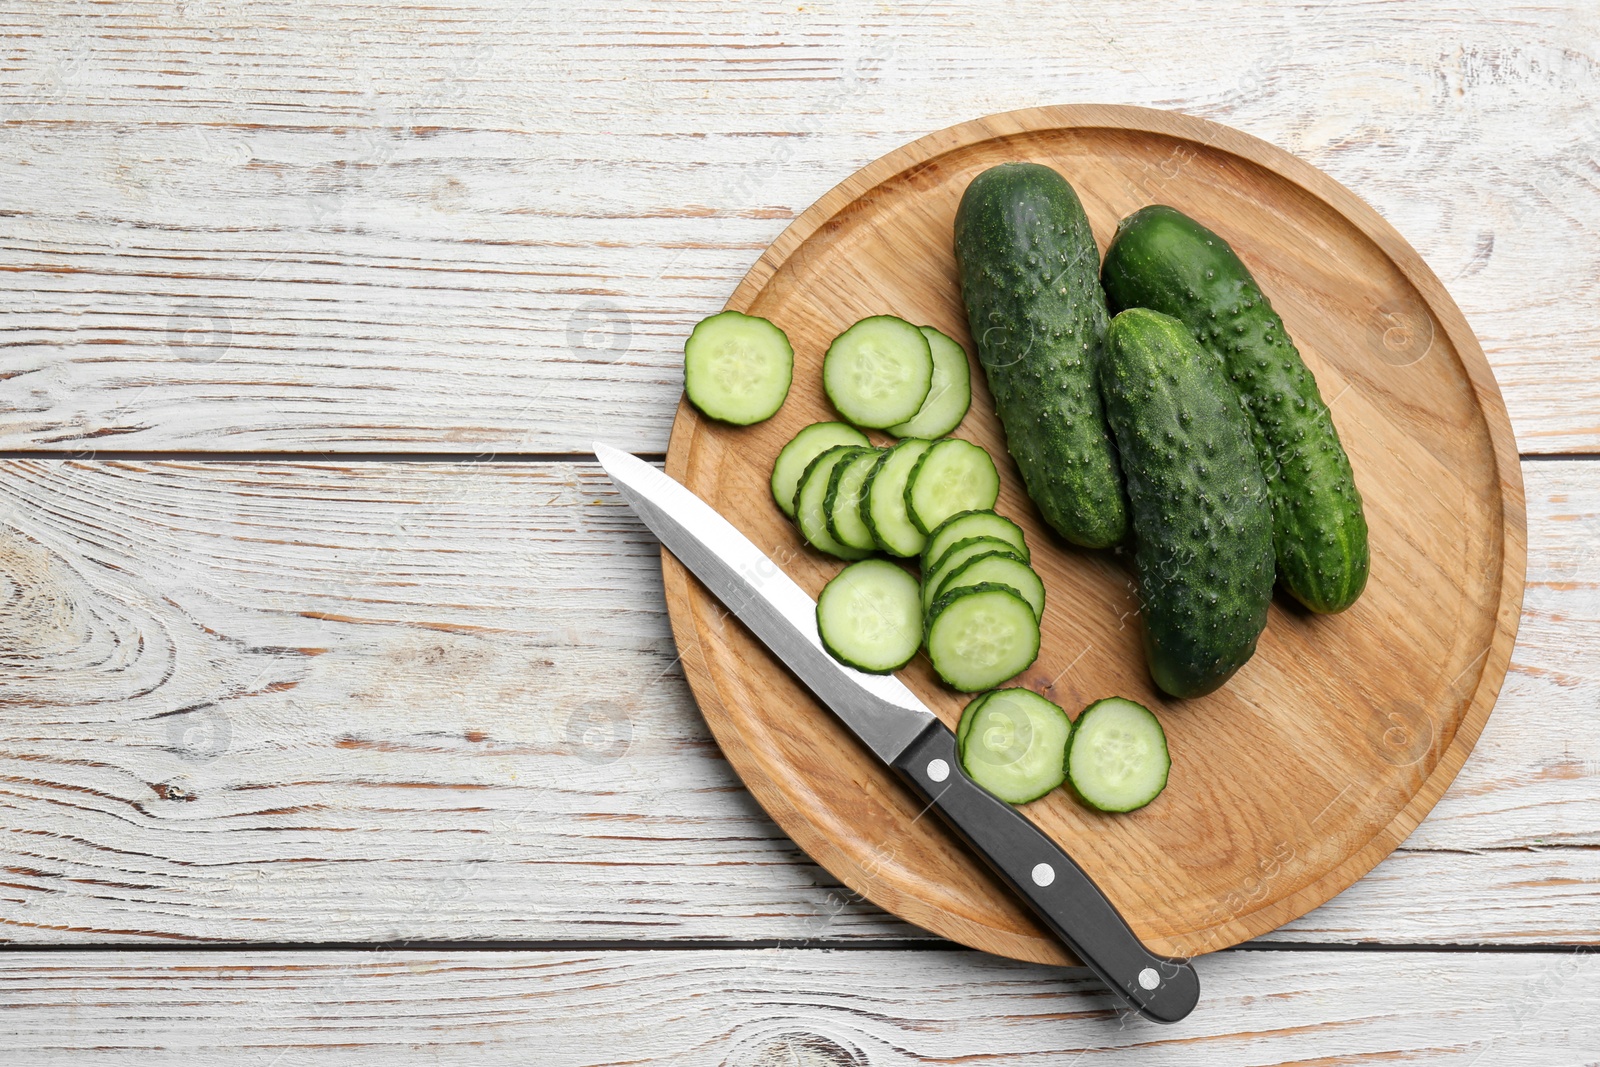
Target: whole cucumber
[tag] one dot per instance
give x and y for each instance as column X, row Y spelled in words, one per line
column 1164, row 260
column 1202, row 522
column 1030, row 279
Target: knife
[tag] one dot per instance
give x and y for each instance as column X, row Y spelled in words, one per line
column 903, row 733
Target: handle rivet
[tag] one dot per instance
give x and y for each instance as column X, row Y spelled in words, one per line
column 1043, row 874
column 938, row 770
column 1148, row 978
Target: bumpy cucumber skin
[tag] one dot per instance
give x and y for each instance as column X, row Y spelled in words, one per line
column 1030, row 278
column 1164, row 260
column 1202, row 521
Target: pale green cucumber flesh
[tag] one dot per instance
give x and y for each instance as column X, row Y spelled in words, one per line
column 842, row 506
column 869, row 617
column 883, row 502
column 982, row 523
column 1000, row 568
column 878, row 372
column 951, row 477
column 810, row 501
column 1117, row 757
column 1013, row 743
column 979, row 637
column 805, row 446
column 737, row 368
column 950, row 394
column 954, row 557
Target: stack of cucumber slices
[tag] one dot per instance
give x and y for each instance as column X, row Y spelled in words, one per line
column 981, row 600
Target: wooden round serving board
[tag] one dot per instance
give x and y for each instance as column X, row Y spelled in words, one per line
column 1328, row 748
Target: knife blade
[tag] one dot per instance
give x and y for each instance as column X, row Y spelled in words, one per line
column 902, row 732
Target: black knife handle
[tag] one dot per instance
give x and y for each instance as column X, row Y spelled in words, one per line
column 1066, row 899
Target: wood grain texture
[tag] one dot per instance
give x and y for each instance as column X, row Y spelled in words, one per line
column 488, row 225
column 318, row 701
column 787, row 1008
column 323, row 701
column 1302, row 766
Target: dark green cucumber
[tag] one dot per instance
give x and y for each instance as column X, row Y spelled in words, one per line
column 1202, row 522
column 1030, row 277
column 1164, row 260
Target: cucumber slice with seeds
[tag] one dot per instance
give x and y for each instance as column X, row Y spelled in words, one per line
column 842, row 505
column 877, row 373
column 950, row 394
column 883, row 502
column 810, row 498
column 1013, row 742
column 737, row 367
column 951, row 477
column 868, row 616
column 973, row 524
column 959, row 553
column 797, row 455
column 1117, row 759
column 980, row 636
column 1001, row 568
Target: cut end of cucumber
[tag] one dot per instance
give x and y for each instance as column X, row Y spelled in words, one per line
column 869, row 617
column 878, row 372
column 1013, row 742
column 737, row 368
column 1117, row 759
column 980, row 636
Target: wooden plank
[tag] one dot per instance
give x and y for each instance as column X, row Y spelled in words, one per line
column 366, row 701
column 302, row 226
column 788, row 1007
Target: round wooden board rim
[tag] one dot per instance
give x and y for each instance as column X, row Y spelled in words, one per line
column 924, row 909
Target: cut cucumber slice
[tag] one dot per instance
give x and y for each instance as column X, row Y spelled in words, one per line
column 797, row 455
column 959, row 553
column 883, row 502
column 842, row 505
column 951, row 477
column 1001, row 568
column 1117, row 758
column 869, row 617
column 812, row 496
column 980, row 636
column 973, row 524
column 949, row 396
column 737, row 367
column 877, row 372
column 1013, row 742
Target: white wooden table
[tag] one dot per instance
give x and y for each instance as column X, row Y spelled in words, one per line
column 340, row 719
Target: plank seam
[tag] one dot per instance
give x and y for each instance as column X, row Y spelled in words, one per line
column 750, row 945
column 178, row 455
